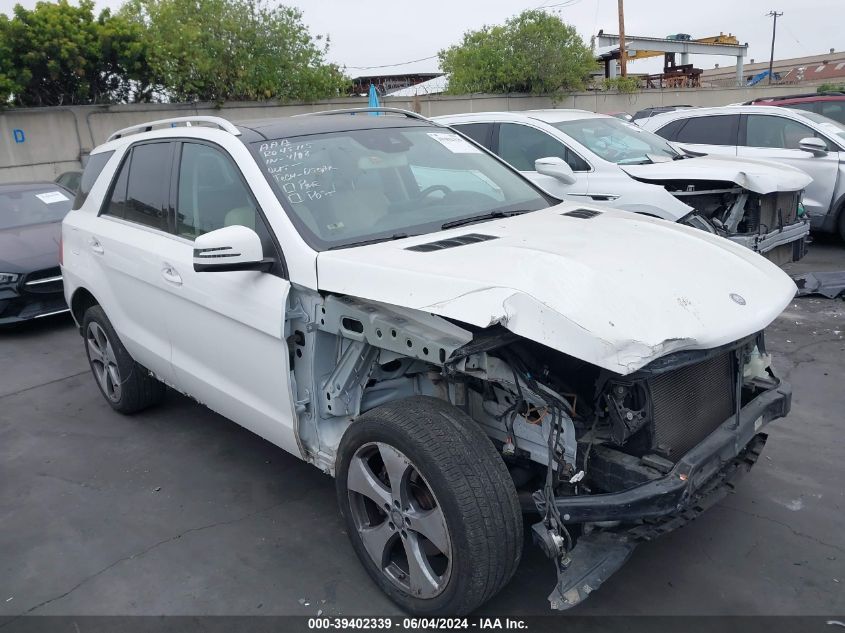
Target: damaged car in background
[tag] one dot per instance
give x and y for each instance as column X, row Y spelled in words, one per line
column 583, row 156
column 456, row 347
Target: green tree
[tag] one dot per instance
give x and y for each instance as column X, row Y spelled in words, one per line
column 58, row 54
column 218, row 50
column 534, row 52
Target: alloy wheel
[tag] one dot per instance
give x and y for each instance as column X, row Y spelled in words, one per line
column 103, row 361
column 399, row 521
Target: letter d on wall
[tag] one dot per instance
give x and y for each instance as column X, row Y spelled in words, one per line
column 20, row 137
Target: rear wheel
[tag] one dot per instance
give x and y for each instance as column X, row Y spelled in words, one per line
column 429, row 506
column 126, row 385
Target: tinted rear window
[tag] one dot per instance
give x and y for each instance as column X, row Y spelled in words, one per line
column 93, row 169
column 478, row 132
column 149, row 185
column 709, row 130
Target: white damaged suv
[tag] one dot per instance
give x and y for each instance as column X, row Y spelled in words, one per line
column 389, row 302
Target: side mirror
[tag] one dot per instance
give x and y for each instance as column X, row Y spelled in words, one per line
column 815, row 146
column 230, row 248
column 556, row 168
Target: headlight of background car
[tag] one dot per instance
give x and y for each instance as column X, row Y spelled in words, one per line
column 7, row 280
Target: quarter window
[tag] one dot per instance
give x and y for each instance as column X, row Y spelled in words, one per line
column 776, row 132
column 117, row 201
column 670, row 130
column 93, row 169
column 521, row 145
column 709, row 130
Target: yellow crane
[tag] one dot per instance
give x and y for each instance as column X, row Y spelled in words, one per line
column 721, row 38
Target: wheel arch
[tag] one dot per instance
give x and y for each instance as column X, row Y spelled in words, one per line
column 81, row 300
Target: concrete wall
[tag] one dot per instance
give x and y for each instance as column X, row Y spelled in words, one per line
column 41, row 143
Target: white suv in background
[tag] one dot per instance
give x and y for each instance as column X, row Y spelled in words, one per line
column 380, row 297
column 583, row 156
column 806, row 140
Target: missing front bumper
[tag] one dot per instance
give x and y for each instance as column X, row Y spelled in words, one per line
column 794, row 235
column 706, row 474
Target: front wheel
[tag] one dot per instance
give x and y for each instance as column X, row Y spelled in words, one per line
column 429, row 506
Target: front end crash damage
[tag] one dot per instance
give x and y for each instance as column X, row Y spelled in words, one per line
column 751, row 202
column 772, row 224
column 606, row 459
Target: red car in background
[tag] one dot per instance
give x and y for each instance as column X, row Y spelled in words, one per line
column 829, row 104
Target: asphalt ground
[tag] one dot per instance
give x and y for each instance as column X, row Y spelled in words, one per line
column 180, row 511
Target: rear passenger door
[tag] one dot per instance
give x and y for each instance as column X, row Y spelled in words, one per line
column 127, row 243
column 226, row 328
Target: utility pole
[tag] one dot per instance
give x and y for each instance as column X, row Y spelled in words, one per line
column 775, row 15
column 623, row 54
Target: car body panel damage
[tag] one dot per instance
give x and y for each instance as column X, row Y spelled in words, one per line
column 759, row 176
column 611, row 291
column 756, row 205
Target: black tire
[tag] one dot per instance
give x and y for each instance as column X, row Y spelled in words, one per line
column 469, row 484
column 126, row 385
column 842, row 223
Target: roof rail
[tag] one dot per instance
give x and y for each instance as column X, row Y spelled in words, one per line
column 805, row 95
column 407, row 113
column 187, row 121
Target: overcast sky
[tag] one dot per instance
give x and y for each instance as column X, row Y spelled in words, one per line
column 380, row 32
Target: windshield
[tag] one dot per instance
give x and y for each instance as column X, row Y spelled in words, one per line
column 342, row 188
column 33, row 206
column 617, row 141
column 827, row 125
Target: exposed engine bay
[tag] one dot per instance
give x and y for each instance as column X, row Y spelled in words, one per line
column 753, row 219
column 567, row 430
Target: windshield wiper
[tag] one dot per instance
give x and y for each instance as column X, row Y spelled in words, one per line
column 376, row 240
column 492, row 215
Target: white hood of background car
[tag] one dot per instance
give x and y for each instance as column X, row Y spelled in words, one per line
column 760, row 176
column 617, row 290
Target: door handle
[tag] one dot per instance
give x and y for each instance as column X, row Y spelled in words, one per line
column 96, row 246
column 170, row 275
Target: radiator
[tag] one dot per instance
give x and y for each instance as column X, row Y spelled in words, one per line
column 690, row 402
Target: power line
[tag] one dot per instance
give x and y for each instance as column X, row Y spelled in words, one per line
column 413, row 61
column 792, row 35
column 566, row 3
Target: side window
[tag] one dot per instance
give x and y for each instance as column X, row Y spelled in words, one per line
column 521, row 145
column 148, row 185
column 117, row 202
column 811, row 106
column 670, row 130
column 478, row 132
column 774, row 131
column 709, row 130
column 92, row 170
column 833, row 110
column 212, row 195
